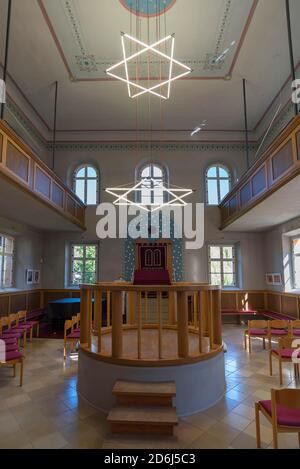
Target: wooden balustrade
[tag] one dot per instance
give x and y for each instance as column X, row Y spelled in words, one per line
column 181, row 315
column 24, row 169
column 277, row 166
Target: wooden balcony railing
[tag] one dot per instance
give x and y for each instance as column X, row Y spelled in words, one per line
column 183, row 325
column 277, row 166
column 23, row 168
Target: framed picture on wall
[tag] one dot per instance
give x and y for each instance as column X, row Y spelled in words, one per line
column 274, row 279
column 29, row 277
column 36, row 277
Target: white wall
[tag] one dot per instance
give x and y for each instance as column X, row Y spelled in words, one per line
column 28, row 251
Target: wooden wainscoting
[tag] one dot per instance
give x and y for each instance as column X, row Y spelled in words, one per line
column 277, row 166
column 12, row 302
column 23, row 168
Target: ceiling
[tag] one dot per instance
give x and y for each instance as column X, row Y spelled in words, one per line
column 75, row 41
column 278, row 208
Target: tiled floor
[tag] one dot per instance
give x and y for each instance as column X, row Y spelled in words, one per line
column 46, row 412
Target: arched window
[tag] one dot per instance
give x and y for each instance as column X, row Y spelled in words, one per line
column 152, row 177
column 86, row 184
column 218, row 182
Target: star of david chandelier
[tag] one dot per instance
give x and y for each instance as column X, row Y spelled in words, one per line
column 149, row 195
column 151, row 69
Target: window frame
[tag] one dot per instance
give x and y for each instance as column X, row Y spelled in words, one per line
column 294, row 281
column 217, row 178
column 222, row 260
column 86, row 178
column 2, row 263
column 84, row 258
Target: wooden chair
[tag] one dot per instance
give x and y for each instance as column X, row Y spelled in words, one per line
column 256, row 330
column 76, row 323
column 7, row 332
column 70, row 335
column 284, row 354
column 277, row 329
column 295, row 329
column 12, row 356
column 22, row 319
column 14, row 325
column 282, row 411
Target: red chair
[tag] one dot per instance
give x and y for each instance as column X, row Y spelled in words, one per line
column 7, row 332
column 282, row 411
column 284, row 354
column 256, row 330
column 277, row 329
column 14, row 325
column 295, row 329
column 22, row 319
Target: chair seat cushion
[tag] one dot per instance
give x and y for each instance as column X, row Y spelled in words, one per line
column 11, row 347
column 13, row 356
column 286, row 352
column 24, row 326
column 77, row 330
column 258, row 332
column 33, row 323
column 296, row 332
column 286, row 416
column 12, row 334
column 74, row 335
column 9, row 340
column 279, row 332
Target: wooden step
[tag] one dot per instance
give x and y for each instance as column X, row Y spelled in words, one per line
column 150, row 420
column 134, row 393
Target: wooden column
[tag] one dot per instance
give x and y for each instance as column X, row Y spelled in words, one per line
column 182, row 321
column 139, row 321
column 172, row 308
column 98, row 316
column 217, row 319
column 200, row 319
column 117, row 325
column 90, row 317
column 108, row 301
column 160, row 324
column 210, row 320
column 131, row 307
column 84, row 317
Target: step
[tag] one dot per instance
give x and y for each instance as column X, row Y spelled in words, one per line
column 149, row 420
column 133, row 393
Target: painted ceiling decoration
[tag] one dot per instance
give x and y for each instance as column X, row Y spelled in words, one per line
column 87, row 55
column 148, row 8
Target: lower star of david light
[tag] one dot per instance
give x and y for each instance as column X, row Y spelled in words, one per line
column 156, row 89
column 176, row 196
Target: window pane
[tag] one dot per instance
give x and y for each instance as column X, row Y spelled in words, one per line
column 90, row 266
column 146, row 172
column 215, row 267
column 78, row 251
column 78, row 266
column 212, row 188
column 216, row 279
column 228, row 252
column 81, row 173
column 223, row 173
column 212, row 172
column 90, row 277
column 215, row 252
column 296, row 246
column 91, row 172
column 79, row 189
column 91, row 252
column 228, row 267
column 9, row 246
column 224, row 188
column 91, row 192
column 229, row 280
column 157, row 172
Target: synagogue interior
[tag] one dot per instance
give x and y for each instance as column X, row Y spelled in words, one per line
column 149, row 224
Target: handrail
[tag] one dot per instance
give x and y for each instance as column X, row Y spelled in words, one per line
column 191, row 308
column 21, row 166
column 278, row 165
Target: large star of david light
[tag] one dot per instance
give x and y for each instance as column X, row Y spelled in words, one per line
column 134, row 86
column 176, row 196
